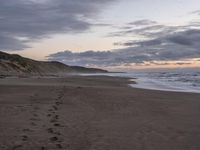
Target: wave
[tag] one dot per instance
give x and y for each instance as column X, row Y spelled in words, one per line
column 180, row 80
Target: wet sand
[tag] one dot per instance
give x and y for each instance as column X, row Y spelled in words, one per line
column 95, row 113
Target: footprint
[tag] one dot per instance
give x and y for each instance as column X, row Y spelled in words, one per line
column 33, row 124
column 50, row 130
column 24, row 138
column 53, row 139
column 55, row 108
column 57, row 125
column 56, row 116
column 58, row 103
column 35, row 115
column 59, row 146
column 57, row 133
column 42, row 148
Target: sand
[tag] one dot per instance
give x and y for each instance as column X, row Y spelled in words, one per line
column 95, row 113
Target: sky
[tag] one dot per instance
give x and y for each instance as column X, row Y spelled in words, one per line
column 111, row 34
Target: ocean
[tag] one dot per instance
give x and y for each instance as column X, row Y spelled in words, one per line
column 180, row 80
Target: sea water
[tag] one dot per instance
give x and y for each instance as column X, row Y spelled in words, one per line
column 181, row 80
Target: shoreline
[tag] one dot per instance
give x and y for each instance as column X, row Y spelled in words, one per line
column 154, row 84
column 133, row 82
column 78, row 112
column 164, row 88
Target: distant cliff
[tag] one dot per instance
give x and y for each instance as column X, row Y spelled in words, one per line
column 12, row 64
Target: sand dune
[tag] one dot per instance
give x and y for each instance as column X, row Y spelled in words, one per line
column 17, row 65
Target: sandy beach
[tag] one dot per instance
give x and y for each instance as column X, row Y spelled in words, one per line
column 95, row 113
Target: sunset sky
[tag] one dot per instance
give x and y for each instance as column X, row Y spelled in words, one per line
column 103, row 33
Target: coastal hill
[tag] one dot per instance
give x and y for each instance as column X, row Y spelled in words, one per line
column 12, row 64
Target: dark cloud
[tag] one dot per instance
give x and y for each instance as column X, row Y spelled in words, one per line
column 83, row 58
column 7, row 42
column 150, row 29
column 137, row 55
column 33, row 20
column 197, row 12
column 147, row 31
column 141, row 43
column 188, row 38
column 144, row 22
column 173, row 46
column 132, row 26
column 161, row 43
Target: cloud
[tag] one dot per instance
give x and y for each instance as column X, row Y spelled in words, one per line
column 196, row 12
column 144, row 22
column 33, row 20
column 143, row 31
column 175, row 46
column 188, row 38
column 160, row 42
column 83, row 58
column 140, row 43
column 7, row 42
column 149, row 29
column 136, row 55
